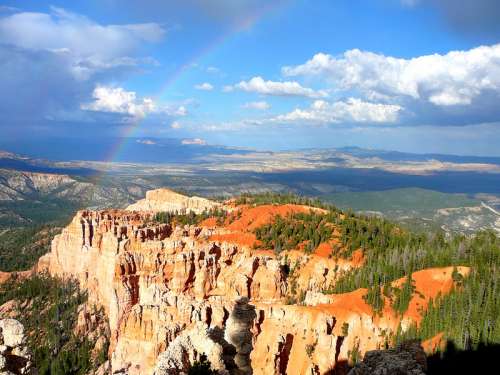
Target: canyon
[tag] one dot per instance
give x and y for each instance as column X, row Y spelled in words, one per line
column 173, row 293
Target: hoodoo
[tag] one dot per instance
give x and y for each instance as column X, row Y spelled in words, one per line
column 173, row 292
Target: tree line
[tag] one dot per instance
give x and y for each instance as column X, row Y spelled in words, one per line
column 468, row 315
column 190, row 218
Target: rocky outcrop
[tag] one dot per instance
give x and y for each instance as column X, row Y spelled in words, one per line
column 238, row 333
column 173, row 293
column 15, row 357
column 407, row 359
column 165, row 200
column 227, row 351
column 187, row 348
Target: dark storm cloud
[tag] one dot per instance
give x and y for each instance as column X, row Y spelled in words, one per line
column 50, row 63
column 481, row 16
column 34, row 84
column 473, row 17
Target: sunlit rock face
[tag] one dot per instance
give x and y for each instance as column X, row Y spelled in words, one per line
column 172, row 294
column 169, row 201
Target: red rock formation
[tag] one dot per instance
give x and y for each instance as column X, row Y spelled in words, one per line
column 157, row 282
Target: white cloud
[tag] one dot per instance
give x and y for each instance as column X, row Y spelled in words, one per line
column 349, row 111
column 230, row 126
column 146, row 142
column 194, row 141
column 76, row 34
column 260, row 105
column 118, row 100
column 454, row 79
column 179, row 111
column 213, row 70
column 287, row 88
column 204, row 86
column 320, row 112
column 175, row 125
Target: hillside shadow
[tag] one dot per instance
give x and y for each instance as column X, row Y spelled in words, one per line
column 450, row 361
column 455, row 361
column 341, row 368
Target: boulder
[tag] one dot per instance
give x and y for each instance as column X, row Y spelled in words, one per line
column 15, row 356
column 406, row 359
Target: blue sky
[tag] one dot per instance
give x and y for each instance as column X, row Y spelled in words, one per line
column 408, row 75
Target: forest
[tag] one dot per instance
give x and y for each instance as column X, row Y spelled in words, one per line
column 21, row 247
column 47, row 307
column 468, row 316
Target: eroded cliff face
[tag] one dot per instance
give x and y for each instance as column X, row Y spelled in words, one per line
column 170, row 201
column 173, row 293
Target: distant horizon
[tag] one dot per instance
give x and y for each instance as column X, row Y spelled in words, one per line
column 134, row 147
column 21, row 149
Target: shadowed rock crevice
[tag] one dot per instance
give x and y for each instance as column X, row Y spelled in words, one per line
column 455, row 361
column 284, row 348
column 338, row 346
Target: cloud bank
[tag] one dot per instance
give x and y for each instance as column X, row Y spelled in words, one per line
column 275, row 88
column 351, row 110
column 460, row 86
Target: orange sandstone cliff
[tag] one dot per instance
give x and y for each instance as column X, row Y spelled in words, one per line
column 168, row 200
column 173, row 293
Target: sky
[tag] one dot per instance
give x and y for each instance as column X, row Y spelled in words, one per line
column 408, row 75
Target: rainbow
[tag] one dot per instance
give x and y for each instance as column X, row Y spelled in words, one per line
column 211, row 47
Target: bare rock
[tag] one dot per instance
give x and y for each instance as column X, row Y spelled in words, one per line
column 186, row 349
column 15, row 357
column 239, row 335
column 407, row 359
column 12, row 332
column 170, row 201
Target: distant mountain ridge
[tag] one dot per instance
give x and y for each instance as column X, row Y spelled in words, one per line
column 173, row 150
column 135, row 150
column 406, row 156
